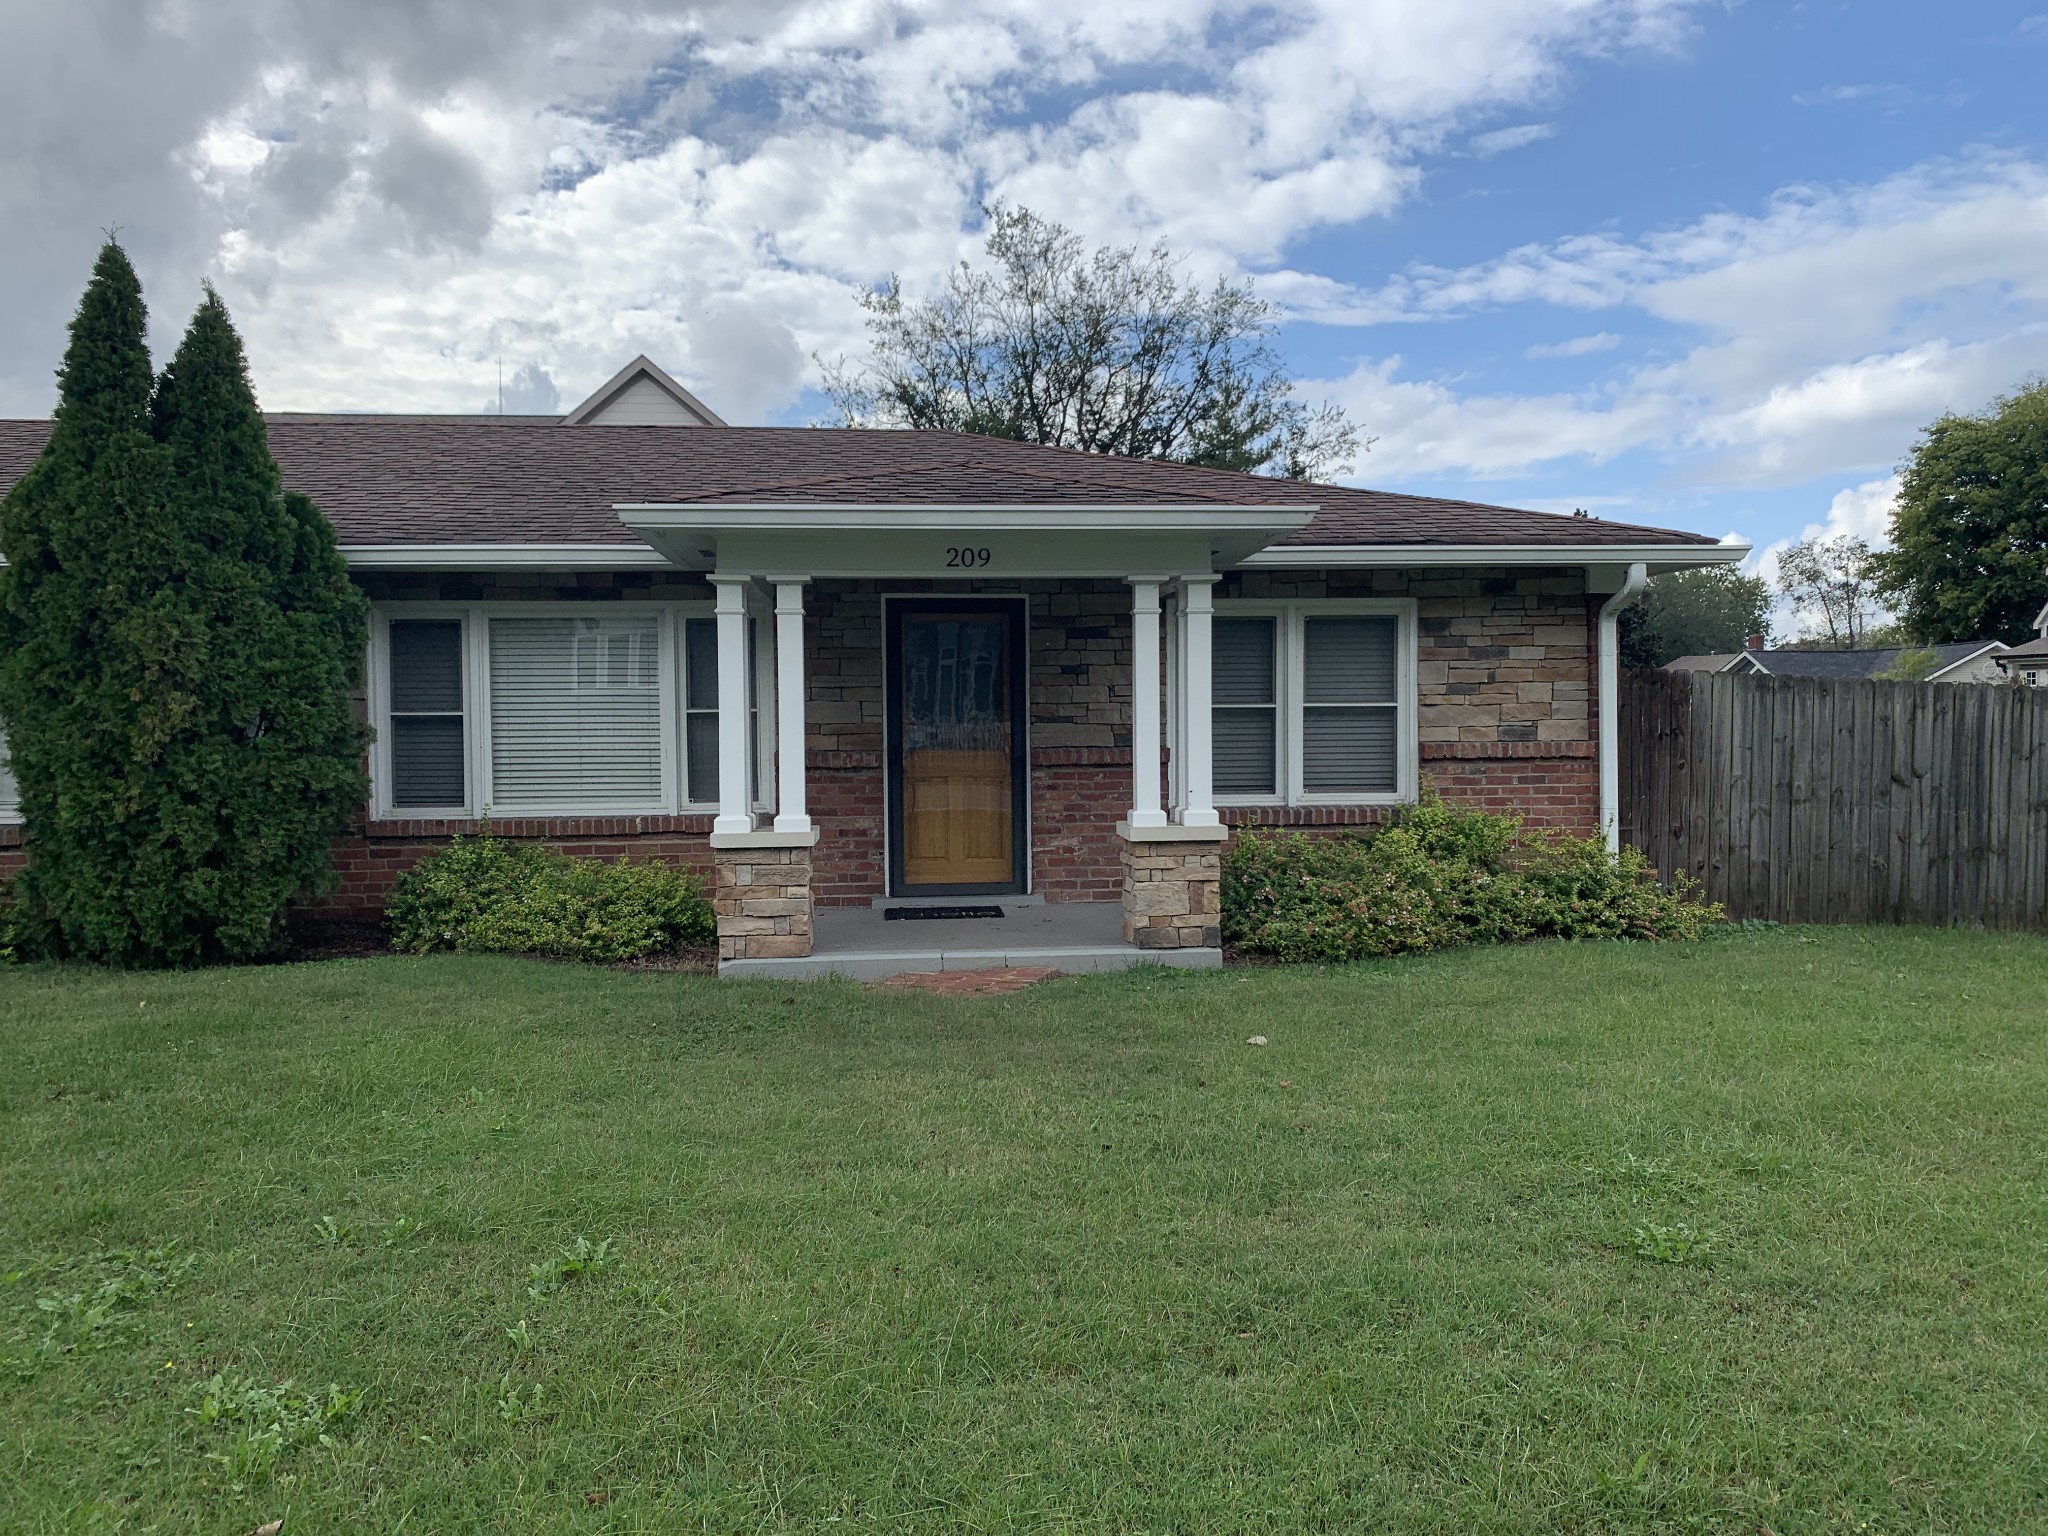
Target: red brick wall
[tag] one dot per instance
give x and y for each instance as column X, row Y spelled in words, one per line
column 1506, row 698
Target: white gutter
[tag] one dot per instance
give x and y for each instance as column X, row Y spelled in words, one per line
column 1357, row 556
column 1610, row 702
column 504, row 557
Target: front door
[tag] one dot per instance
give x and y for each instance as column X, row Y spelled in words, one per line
column 956, row 746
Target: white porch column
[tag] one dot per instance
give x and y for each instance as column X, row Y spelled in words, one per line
column 735, row 811
column 1146, row 810
column 791, row 815
column 1197, row 771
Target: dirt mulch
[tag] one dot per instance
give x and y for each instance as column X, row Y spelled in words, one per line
column 993, row 982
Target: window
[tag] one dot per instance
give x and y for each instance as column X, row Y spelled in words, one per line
column 10, row 792
column 1313, row 701
column 545, row 709
column 1245, row 714
column 426, row 734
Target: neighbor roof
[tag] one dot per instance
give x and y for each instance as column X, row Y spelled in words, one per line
column 1855, row 664
column 397, row 480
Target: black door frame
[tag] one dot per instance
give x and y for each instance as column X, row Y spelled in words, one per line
column 1016, row 610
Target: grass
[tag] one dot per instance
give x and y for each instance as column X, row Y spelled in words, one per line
column 1741, row 1236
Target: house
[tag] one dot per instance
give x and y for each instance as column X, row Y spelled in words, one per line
column 857, row 670
column 1964, row 661
column 2027, row 662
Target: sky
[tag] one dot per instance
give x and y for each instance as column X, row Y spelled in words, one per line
column 1703, row 265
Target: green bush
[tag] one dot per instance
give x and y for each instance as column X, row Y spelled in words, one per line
column 489, row 895
column 1437, row 877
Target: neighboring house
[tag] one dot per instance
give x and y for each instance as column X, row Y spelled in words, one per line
column 845, row 667
column 2027, row 662
column 1965, row 661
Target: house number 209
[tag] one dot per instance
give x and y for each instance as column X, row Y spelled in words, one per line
column 963, row 558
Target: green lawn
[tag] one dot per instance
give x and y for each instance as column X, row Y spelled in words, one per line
column 1077, row 1259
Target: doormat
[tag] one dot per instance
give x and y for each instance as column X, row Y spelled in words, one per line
column 917, row 914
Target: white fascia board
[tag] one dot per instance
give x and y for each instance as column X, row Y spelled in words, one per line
column 504, row 557
column 1022, row 517
column 1668, row 557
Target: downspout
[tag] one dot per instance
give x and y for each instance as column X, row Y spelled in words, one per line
column 1610, row 702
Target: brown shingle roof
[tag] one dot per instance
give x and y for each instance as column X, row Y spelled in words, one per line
column 529, row 480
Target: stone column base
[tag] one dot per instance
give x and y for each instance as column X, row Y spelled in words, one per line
column 763, row 901
column 1173, row 879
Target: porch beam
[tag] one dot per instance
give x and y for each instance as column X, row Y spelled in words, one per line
column 791, row 815
column 1197, row 770
column 1146, row 811
column 735, row 813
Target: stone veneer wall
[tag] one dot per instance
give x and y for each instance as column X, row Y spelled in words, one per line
column 762, row 897
column 1173, row 894
column 1506, row 699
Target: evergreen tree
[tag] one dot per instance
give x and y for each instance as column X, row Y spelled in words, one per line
column 206, row 672
column 81, row 535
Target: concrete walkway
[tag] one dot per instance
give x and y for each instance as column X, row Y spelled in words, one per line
column 862, row 944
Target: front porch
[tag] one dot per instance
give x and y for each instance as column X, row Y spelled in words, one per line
column 864, row 944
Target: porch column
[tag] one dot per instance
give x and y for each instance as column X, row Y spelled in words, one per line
column 791, row 814
column 735, row 809
column 1197, row 769
column 1146, row 810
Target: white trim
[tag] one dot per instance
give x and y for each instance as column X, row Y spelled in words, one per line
column 1610, row 702
column 1991, row 648
column 736, row 751
column 1376, row 556
column 1146, row 810
column 476, row 721
column 1288, row 661
column 790, row 812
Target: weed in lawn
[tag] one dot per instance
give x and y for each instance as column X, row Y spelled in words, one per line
column 260, row 1423
column 333, row 1233
column 402, row 1231
column 95, row 1301
column 516, row 1404
column 1679, row 1243
column 580, row 1258
column 520, row 1337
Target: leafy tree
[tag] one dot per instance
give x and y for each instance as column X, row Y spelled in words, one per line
column 1833, row 585
column 1109, row 351
column 1691, row 613
column 186, row 653
column 1913, row 664
column 1970, row 532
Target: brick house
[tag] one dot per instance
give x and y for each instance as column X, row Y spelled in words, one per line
column 851, row 674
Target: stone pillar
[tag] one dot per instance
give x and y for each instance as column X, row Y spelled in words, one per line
column 1173, row 878
column 762, row 896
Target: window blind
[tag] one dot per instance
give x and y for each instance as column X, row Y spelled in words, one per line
column 427, row 758
column 1350, row 705
column 1244, row 712
column 576, row 712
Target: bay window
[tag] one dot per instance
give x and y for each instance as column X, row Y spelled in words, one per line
column 1313, row 701
column 545, row 709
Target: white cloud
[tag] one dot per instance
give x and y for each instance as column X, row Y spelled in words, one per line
column 1578, row 346
column 1814, row 338
column 1501, row 140
column 394, row 196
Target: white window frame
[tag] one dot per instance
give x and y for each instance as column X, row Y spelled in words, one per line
column 10, row 815
column 476, row 714
column 1290, row 616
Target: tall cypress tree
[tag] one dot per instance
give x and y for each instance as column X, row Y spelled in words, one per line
column 259, row 645
column 81, row 535
column 183, row 640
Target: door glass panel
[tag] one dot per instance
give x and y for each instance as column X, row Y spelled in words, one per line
column 956, row 732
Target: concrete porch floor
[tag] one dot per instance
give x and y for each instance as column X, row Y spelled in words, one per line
column 859, row 943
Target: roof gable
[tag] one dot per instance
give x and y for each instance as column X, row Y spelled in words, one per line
column 641, row 395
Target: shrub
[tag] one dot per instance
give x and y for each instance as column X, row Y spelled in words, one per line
column 489, row 895
column 1439, row 876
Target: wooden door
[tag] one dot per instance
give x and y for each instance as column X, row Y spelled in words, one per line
column 956, row 758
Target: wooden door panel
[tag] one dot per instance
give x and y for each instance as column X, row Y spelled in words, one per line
column 956, row 818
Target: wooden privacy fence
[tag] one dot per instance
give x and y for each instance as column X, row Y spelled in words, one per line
column 1811, row 801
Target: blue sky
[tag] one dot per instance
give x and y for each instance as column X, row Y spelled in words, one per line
column 1704, row 264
